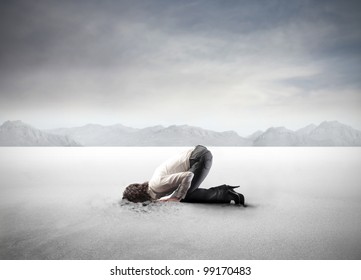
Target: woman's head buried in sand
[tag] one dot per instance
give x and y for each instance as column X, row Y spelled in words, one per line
column 137, row 193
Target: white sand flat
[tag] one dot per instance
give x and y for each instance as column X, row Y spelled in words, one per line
column 64, row 203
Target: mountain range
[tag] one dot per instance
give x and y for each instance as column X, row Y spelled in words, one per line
column 328, row 133
column 17, row 133
column 119, row 135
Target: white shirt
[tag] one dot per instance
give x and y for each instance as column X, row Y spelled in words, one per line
column 172, row 176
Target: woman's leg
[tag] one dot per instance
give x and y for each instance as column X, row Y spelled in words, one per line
column 219, row 194
column 200, row 165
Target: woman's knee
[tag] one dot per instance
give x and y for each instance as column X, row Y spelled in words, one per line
column 208, row 160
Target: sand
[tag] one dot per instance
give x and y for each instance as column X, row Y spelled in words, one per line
column 64, row 203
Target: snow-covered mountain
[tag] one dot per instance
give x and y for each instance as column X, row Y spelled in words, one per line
column 97, row 135
column 334, row 134
column 328, row 133
column 306, row 130
column 17, row 133
column 277, row 136
column 175, row 135
column 255, row 135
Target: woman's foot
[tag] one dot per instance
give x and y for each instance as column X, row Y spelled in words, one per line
column 238, row 198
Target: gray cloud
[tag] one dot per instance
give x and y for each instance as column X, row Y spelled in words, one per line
column 237, row 65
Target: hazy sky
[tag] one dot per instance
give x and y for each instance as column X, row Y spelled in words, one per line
column 222, row 65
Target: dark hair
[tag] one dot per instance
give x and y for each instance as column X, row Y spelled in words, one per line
column 137, row 192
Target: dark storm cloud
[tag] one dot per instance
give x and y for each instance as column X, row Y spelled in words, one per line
column 104, row 57
column 105, row 33
column 66, row 33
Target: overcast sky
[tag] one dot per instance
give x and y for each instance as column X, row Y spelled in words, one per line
column 222, row 65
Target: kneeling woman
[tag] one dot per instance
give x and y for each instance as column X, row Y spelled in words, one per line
column 180, row 177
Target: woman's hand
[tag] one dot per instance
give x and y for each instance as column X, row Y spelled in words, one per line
column 174, row 199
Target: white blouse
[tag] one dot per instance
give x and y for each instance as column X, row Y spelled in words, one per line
column 172, row 176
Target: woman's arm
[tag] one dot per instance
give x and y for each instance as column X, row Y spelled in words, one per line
column 183, row 187
column 177, row 183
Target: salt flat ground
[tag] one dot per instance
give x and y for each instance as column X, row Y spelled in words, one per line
column 64, row 203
